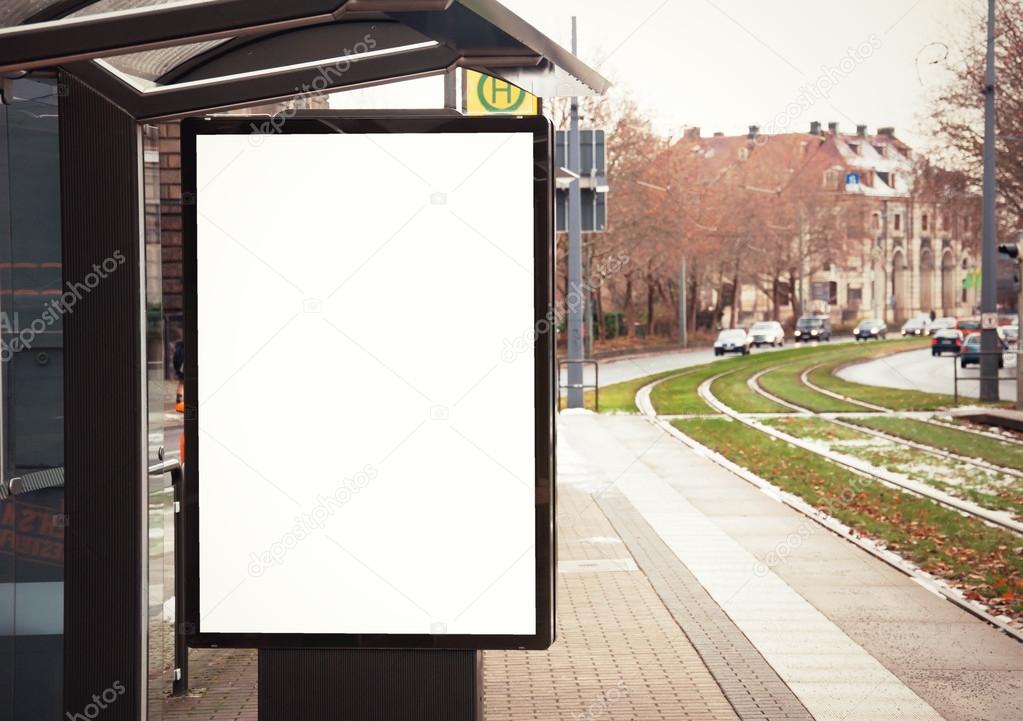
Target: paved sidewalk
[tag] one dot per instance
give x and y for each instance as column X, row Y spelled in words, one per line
column 669, row 609
column 852, row 637
column 619, row 654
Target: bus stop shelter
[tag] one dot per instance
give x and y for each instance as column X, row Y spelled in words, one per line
column 80, row 81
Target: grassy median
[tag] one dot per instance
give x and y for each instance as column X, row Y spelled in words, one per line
column 893, row 398
column 982, row 561
column 962, row 443
column 987, row 488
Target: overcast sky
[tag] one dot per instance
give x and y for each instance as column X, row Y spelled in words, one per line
column 727, row 64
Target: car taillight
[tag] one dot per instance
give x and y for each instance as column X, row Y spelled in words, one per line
column 958, row 342
column 934, row 341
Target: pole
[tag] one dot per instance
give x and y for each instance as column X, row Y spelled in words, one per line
column 989, row 257
column 1019, row 342
column 575, row 265
column 683, row 316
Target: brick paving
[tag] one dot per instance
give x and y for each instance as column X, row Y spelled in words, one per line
column 619, row 655
column 754, row 688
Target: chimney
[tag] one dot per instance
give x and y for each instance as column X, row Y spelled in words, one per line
column 718, row 134
column 691, row 133
column 815, row 128
column 889, row 131
column 753, row 130
column 833, row 128
column 861, row 130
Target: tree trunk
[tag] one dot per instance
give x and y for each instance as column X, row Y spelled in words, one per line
column 649, row 307
column 627, row 308
column 736, row 295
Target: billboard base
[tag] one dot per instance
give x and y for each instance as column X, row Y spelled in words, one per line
column 370, row 685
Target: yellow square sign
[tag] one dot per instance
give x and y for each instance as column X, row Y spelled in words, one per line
column 485, row 95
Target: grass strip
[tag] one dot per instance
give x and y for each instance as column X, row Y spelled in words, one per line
column 962, row 443
column 620, row 397
column 989, row 489
column 981, row 560
column 786, row 382
column 679, row 395
column 896, row 399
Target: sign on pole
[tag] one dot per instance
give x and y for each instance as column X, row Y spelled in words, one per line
column 485, row 95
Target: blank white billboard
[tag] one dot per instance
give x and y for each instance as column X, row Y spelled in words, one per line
column 365, row 383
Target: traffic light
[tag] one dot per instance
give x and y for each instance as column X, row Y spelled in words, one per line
column 1009, row 249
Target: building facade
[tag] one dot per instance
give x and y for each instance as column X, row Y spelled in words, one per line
column 905, row 238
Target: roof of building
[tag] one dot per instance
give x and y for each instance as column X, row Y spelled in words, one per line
column 877, row 164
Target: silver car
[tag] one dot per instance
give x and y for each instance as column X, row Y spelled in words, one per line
column 732, row 340
column 768, row 332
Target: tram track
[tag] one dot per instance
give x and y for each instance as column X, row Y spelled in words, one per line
column 934, row 584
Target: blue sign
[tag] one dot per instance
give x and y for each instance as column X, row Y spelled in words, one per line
column 852, row 178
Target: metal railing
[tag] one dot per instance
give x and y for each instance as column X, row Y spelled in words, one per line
column 595, row 386
column 172, row 466
column 998, row 377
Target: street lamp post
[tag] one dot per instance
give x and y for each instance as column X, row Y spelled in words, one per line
column 574, row 296
column 989, row 341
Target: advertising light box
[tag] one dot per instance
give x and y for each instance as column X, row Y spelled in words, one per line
column 369, row 381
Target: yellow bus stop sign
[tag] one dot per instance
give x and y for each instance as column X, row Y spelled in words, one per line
column 485, row 95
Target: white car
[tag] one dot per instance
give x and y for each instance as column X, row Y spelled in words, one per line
column 732, row 340
column 917, row 326
column 768, row 332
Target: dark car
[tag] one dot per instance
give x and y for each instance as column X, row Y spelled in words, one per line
column 948, row 340
column 812, row 327
column 970, row 352
column 871, row 328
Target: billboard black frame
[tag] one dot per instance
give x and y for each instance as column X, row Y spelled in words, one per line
column 545, row 387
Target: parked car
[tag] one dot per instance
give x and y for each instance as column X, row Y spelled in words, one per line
column 916, row 326
column 942, row 324
column 968, row 324
column 732, row 340
column 970, row 352
column 1011, row 334
column 768, row 332
column 813, row 327
column 948, row 340
column 871, row 328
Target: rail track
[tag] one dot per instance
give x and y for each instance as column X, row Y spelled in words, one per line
column 936, row 585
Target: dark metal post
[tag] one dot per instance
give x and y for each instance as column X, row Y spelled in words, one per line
column 179, row 687
column 574, row 297
column 989, row 258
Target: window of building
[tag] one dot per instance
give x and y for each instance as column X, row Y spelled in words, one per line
column 743, row 153
column 944, row 221
column 897, row 221
column 877, row 221
column 854, row 296
column 831, row 176
column 923, row 222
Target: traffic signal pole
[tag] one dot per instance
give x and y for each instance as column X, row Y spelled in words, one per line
column 575, row 296
column 989, row 341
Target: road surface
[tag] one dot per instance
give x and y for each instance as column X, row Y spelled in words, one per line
column 616, row 370
column 919, row 370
